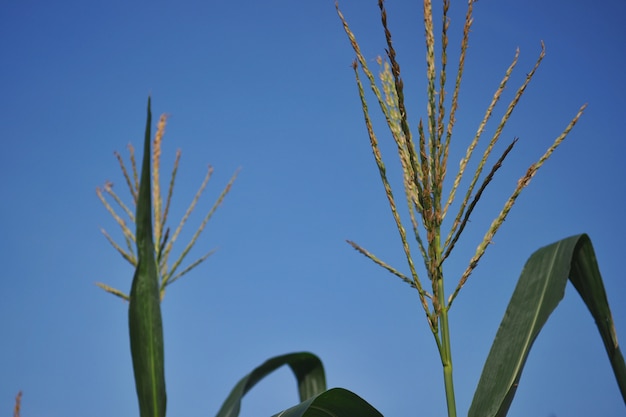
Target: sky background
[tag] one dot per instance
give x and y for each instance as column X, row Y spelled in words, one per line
column 267, row 86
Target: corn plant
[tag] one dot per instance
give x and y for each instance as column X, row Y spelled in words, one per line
column 163, row 242
column 144, row 311
column 423, row 156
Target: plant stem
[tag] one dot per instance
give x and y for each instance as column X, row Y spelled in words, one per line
column 446, row 359
column 441, row 309
column 445, row 350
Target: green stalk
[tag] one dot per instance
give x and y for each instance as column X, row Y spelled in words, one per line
column 446, row 359
column 445, row 350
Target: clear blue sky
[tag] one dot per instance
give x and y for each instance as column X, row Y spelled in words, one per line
column 267, row 86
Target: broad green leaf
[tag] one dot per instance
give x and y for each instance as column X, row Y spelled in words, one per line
column 336, row 402
column 539, row 290
column 307, row 368
column 144, row 311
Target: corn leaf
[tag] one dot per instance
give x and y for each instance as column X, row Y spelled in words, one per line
column 307, row 368
column 144, row 312
column 539, row 290
column 336, row 402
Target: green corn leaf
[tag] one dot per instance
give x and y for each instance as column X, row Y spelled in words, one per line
column 307, row 368
column 539, row 290
column 336, row 402
column 144, row 312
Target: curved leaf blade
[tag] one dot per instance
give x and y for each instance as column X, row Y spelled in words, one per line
column 540, row 288
column 336, row 402
column 593, row 294
column 144, row 310
column 307, row 368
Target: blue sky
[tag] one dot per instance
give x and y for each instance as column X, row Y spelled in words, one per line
column 267, row 86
